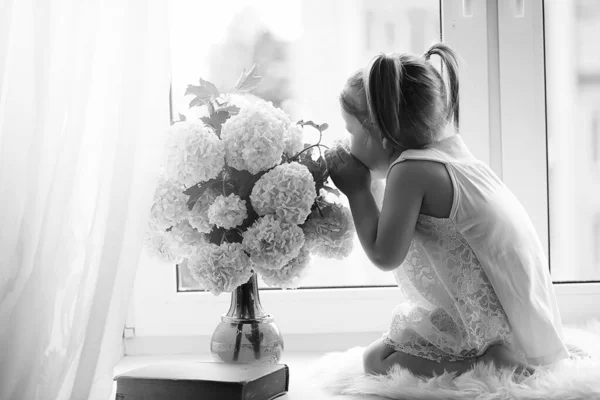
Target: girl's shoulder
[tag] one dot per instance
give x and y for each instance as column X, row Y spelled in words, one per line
column 430, row 180
column 450, row 150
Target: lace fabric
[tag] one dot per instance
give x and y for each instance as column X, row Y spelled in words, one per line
column 449, row 311
column 479, row 276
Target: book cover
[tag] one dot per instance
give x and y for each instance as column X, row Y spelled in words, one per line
column 204, row 381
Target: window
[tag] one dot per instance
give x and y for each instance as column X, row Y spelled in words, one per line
column 595, row 137
column 596, row 241
column 305, row 55
column 369, row 23
column 573, row 87
column 527, row 97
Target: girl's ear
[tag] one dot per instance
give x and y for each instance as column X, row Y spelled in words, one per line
column 386, row 144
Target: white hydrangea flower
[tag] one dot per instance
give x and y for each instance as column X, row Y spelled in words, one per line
column 272, row 242
column 160, row 245
column 186, row 239
column 336, row 249
column 194, row 153
column 290, row 275
column 287, row 191
column 169, row 207
column 330, row 235
column 220, row 268
column 344, row 143
column 227, row 212
column 294, row 140
column 254, row 138
column 198, row 216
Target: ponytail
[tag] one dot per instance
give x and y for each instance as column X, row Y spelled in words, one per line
column 403, row 98
column 450, row 62
column 383, row 89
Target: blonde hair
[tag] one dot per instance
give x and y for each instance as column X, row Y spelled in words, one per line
column 404, row 97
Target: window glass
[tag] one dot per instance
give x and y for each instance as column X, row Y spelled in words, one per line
column 573, row 113
column 305, row 51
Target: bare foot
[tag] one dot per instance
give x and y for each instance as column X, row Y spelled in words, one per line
column 577, row 352
column 502, row 357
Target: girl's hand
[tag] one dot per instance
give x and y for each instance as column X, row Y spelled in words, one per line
column 347, row 173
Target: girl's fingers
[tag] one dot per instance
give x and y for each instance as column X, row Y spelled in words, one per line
column 329, row 160
column 348, row 158
column 344, row 156
column 338, row 158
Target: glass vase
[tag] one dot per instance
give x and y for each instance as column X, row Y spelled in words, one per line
column 246, row 334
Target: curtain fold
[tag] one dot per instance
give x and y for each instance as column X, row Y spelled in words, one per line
column 84, row 106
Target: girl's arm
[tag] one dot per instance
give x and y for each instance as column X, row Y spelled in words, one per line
column 386, row 236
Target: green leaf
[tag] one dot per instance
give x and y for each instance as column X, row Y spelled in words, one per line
column 244, row 181
column 248, row 80
column 318, row 169
column 232, row 110
column 219, row 235
column 196, row 191
column 181, row 117
column 318, row 127
column 332, row 190
column 209, row 86
column 216, row 121
column 203, row 92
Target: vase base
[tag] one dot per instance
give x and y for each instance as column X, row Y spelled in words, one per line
column 247, row 343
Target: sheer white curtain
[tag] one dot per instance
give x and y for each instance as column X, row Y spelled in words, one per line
column 83, row 107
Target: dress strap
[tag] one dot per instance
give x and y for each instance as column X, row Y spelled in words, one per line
column 451, row 150
column 426, row 154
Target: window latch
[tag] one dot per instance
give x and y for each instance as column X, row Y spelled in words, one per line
column 467, row 8
column 519, row 8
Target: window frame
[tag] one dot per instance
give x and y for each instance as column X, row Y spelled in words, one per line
column 486, row 33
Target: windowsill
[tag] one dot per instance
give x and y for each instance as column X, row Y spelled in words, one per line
column 298, row 343
column 300, row 364
column 301, row 355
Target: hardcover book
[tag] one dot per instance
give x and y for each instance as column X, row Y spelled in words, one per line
column 204, row 381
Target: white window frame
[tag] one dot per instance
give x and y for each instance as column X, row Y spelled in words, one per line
column 506, row 37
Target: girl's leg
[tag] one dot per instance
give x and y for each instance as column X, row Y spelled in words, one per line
column 374, row 357
column 379, row 358
column 576, row 352
column 503, row 358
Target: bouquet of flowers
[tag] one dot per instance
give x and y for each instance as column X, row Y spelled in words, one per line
column 240, row 192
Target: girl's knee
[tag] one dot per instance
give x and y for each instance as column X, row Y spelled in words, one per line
column 373, row 359
column 371, row 363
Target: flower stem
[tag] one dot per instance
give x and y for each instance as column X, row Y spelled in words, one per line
column 318, row 145
column 238, row 341
column 309, row 147
column 319, row 208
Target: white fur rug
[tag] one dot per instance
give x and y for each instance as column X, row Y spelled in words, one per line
column 341, row 373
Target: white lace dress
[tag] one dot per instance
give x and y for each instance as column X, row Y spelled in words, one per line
column 478, row 277
column 450, row 310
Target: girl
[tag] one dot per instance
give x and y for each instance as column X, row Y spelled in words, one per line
column 471, row 268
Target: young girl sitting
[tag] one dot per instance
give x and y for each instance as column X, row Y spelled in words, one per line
column 473, row 275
